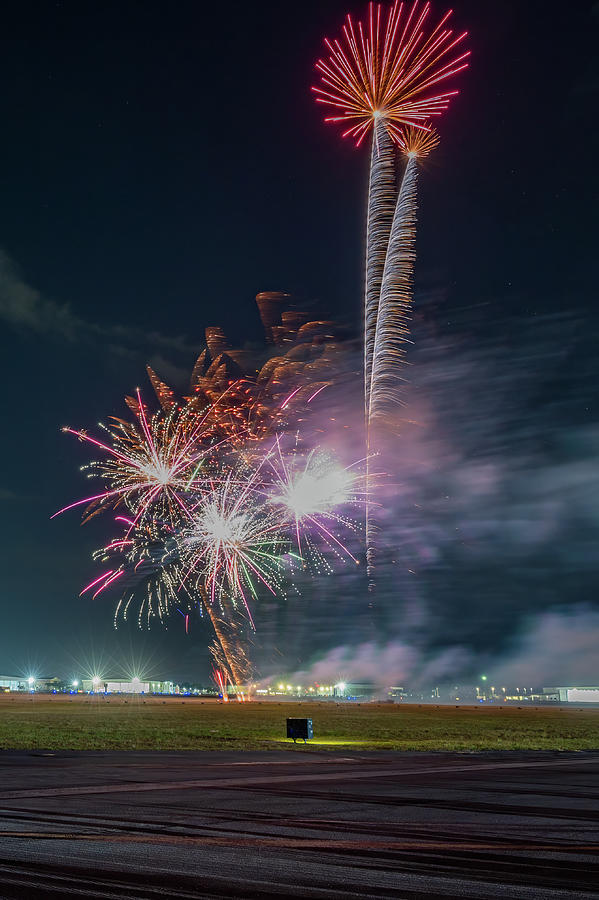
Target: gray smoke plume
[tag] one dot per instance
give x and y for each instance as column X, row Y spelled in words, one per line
column 489, row 517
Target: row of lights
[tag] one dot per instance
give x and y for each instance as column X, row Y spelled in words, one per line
column 323, row 688
column 75, row 684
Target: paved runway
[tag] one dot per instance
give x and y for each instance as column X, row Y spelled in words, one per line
column 303, row 824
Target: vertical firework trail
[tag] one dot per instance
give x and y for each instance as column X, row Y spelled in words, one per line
column 383, row 76
column 381, row 202
column 381, row 197
column 392, row 332
column 234, row 657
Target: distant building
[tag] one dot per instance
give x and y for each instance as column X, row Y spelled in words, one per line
column 572, row 694
column 13, row 683
column 397, row 693
column 134, row 686
column 358, row 690
column 49, row 683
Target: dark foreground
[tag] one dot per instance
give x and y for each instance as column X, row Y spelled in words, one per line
column 187, row 825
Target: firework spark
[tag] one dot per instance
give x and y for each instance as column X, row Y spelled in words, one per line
column 381, row 203
column 145, row 566
column 417, row 144
column 386, row 76
column 392, row 329
column 392, row 335
column 197, row 525
column 382, row 76
column 388, row 69
column 149, row 461
column 221, row 679
column 234, row 540
column 312, row 490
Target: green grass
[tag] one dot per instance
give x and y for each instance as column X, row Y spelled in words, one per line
column 95, row 723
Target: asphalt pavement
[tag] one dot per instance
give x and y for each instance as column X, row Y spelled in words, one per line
column 299, row 824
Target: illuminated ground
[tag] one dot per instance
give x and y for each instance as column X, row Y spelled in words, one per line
column 115, row 723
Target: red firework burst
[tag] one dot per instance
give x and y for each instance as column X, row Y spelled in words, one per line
column 388, row 68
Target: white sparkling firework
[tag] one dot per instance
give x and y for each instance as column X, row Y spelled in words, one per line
column 314, row 494
column 235, row 542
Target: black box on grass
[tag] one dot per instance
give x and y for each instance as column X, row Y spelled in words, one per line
column 300, row 729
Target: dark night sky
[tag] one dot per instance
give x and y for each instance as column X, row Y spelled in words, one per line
column 161, row 165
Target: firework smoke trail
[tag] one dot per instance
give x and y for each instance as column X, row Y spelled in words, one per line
column 383, row 77
column 392, row 328
column 228, row 651
column 381, row 202
column 392, row 331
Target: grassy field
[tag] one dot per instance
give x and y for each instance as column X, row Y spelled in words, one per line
column 98, row 723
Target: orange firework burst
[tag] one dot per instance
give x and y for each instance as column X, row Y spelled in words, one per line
column 417, row 144
column 388, row 71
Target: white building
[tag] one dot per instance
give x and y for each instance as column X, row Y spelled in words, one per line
column 13, row 683
column 134, row 686
column 573, row 694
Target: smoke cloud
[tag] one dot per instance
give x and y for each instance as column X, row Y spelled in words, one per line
column 557, row 648
column 489, row 517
